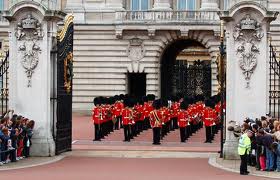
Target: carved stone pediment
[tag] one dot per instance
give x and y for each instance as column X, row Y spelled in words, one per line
column 28, row 34
column 247, row 35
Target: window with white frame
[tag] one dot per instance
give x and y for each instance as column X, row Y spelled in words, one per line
column 226, row 4
column 1, row 5
column 186, row 5
column 139, row 5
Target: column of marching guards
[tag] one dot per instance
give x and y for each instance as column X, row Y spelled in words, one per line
column 137, row 115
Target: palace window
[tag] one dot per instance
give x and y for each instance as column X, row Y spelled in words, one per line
column 139, row 5
column 1, row 5
column 186, row 5
column 226, row 4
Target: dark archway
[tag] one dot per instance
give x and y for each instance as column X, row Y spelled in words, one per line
column 187, row 78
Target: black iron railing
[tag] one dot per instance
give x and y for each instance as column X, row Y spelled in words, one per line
column 4, row 94
column 274, row 84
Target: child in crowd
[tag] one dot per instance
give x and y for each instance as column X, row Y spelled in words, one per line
column 15, row 137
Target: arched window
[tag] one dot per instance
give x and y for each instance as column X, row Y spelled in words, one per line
column 139, row 5
column 186, row 5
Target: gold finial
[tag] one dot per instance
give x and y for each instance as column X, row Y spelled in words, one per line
column 222, row 29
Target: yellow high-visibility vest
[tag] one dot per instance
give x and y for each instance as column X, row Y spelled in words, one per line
column 244, row 144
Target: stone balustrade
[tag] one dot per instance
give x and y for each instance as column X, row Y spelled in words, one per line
column 166, row 16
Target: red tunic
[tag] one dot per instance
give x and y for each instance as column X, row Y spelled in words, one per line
column 182, row 118
column 193, row 114
column 166, row 114
column 141, row 112
column 97, row 115
column 118, row 107
column 104, row 113
column 175, row 109
column 208, row 116
column 156, row 117
column 146, row 110
column 126, row 116
column 138, row 113
column 200, row 107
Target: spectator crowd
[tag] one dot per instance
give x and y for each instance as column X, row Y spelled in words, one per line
column 15, row 137
column 264, row 149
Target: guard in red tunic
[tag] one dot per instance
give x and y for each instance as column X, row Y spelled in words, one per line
column 200, row 107
column 166, row 118
column 104, row 124
column 97, row 119
column 193, row 119
column 118, row 106
column 175, row 107
column 208, row 120
column 126, row 120
column 137, row 117
column 156, row 122
column 141, row 115
column 182, row 121
column 146, row 113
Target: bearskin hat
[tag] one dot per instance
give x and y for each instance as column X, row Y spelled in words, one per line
column 151, row 97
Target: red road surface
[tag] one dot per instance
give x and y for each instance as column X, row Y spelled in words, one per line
column 82, row 168
column 77, row 168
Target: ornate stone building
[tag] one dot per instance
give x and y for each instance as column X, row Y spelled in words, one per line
column 120, row 41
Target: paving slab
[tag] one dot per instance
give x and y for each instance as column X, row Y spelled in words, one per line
column 234, row 165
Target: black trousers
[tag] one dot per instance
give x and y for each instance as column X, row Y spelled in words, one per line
column 175, row 123
column 97, row 132
column 148, row 123
column 183, row 134
column 132, row 131
column 243, row 164
column 208, row 133
column 117, row 123
column 156, row 135
column 26, row 151
column 163, row 131
column 126, row 132
column 188, row 130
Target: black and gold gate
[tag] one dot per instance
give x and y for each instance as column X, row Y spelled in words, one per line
column 63, row 136
column 186, row 79
column 274, row 84
column 4, row 67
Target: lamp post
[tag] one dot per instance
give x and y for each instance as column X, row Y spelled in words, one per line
column 222, row 84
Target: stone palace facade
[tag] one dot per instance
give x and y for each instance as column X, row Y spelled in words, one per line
column 120, row 41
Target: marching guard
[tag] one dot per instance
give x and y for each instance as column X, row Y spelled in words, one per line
column 137, row 115
column 156, row 122
column 126, row 120
column 118, row 107
column 182, row 121
column 97, row 119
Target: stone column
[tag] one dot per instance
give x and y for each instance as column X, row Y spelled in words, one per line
column 209, row 5
column 32, row 35
column 247, row 67
column 162, row 5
